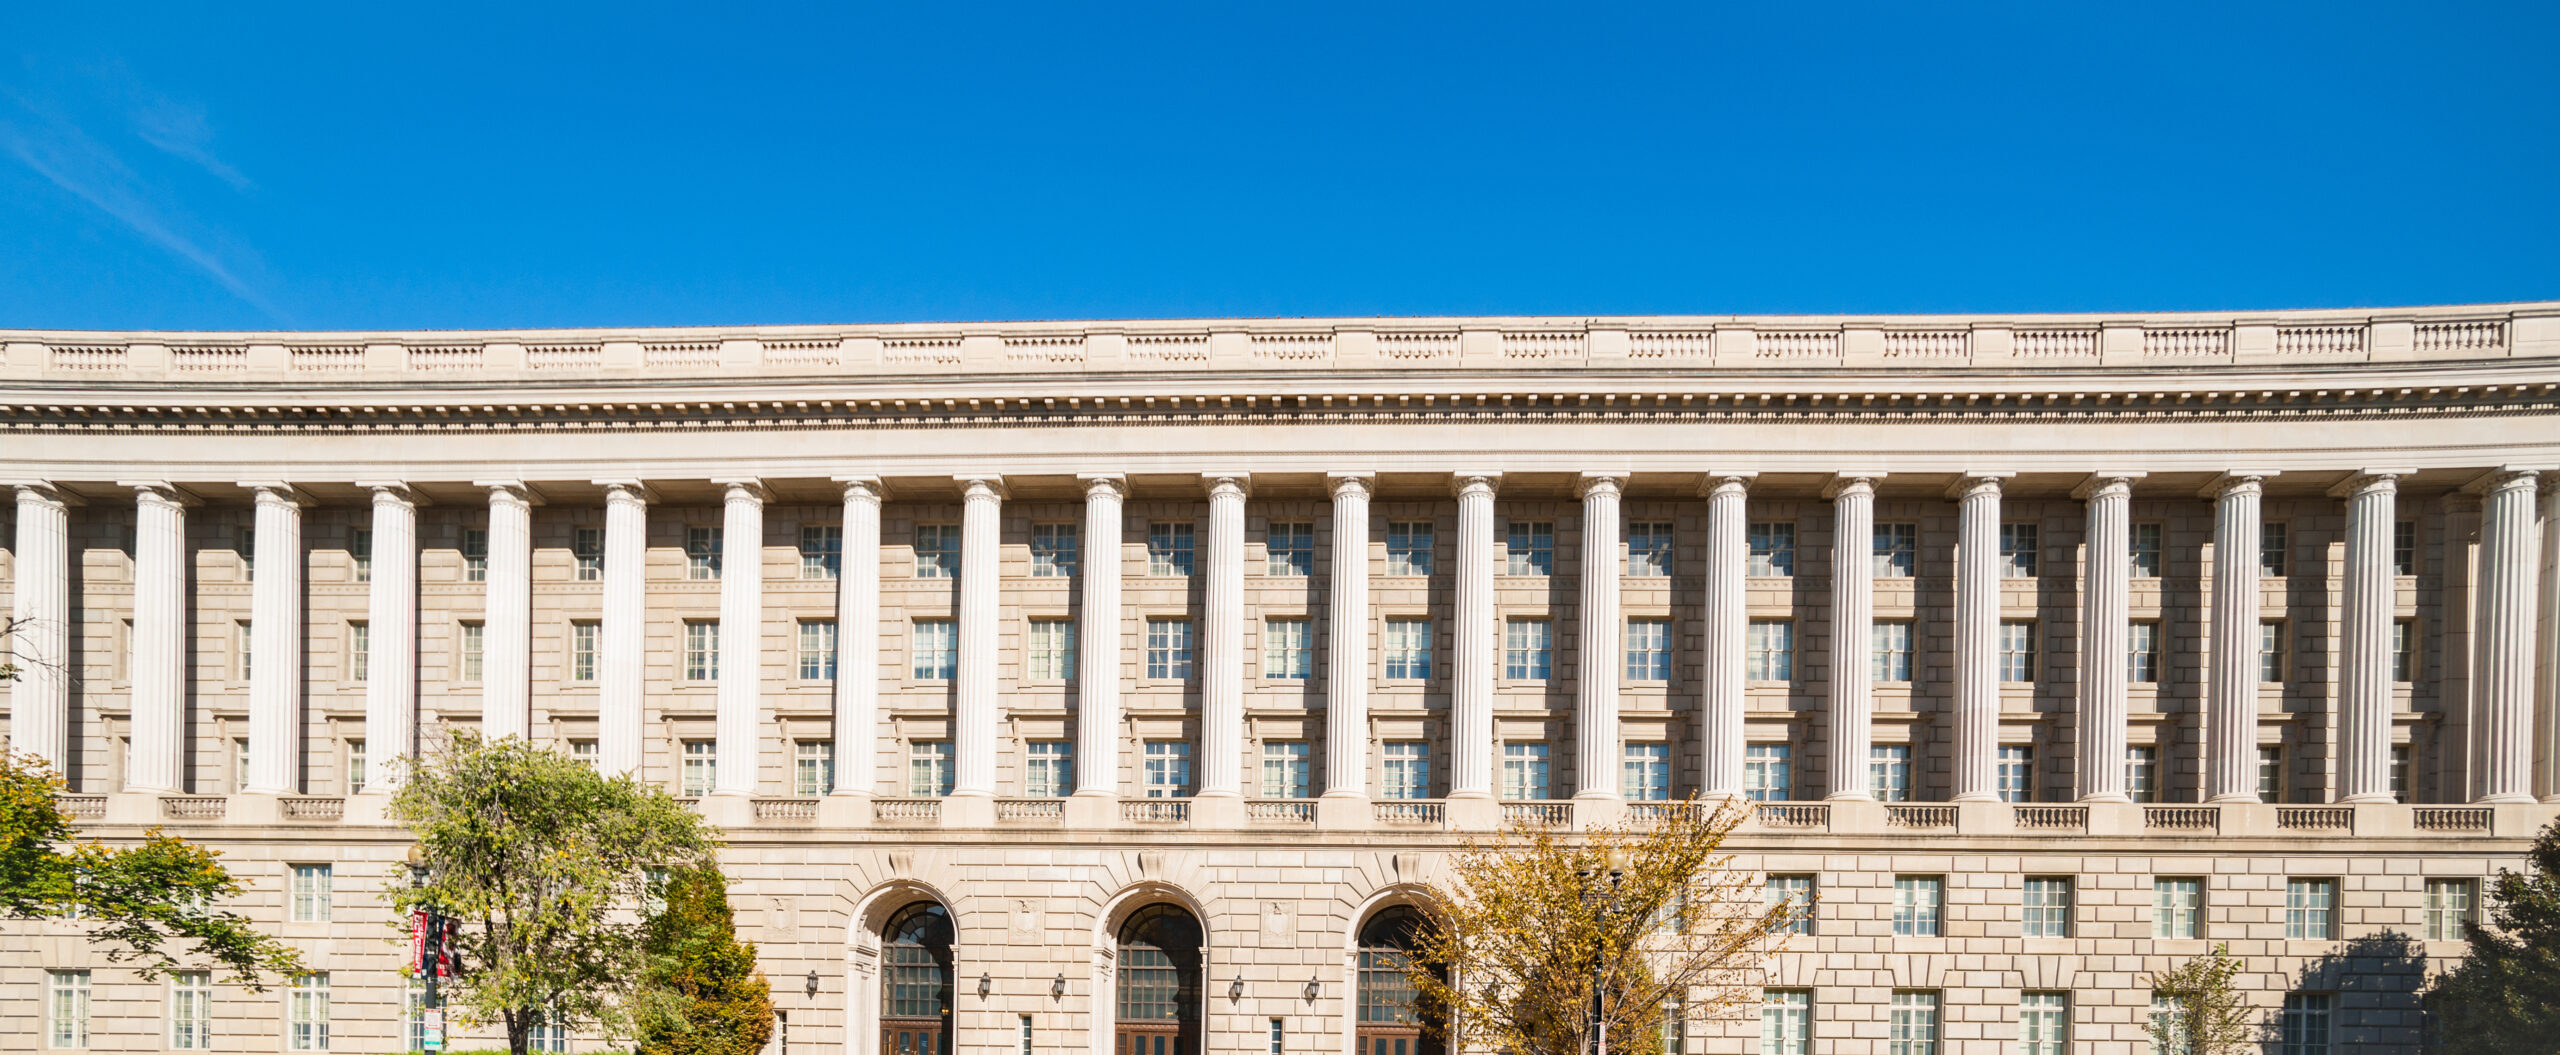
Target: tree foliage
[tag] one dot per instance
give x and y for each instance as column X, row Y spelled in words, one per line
column 2206, row 1013
column 154, row 904
column 1531, row 923
column 545, row 864
column 2505, row 995
column 703, row 993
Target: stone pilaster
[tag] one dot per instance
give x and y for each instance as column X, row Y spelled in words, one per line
column 506, row 681
column 40, row 612
column 622, row 637
column 857, row 684
column 1853, row 542
column 1222, row 641
column 391, row 660
column 2104, row 628
column 1346, row 686
column 974, row 704
column 275, row 645
column 2231, row 674
column 1977, row 644
column 1720, row 716
column 159, row 659
column 1598, row 660
column 2547, row 710
column 1479, row 646
column 1098, row 641
column 2503, row 693
column 739, row 726
column 2364, row 671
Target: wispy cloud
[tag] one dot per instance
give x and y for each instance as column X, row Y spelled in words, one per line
column 182, row 130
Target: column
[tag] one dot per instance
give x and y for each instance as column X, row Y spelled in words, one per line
column 1098, row 639
column 857, row 699
column 159, row 673
column 973, row 723
column 2510, row 591
column 506, row 692
column 2364, row 672
column 1720, row 718
column 1346, row 615
column 275, row 644
column 1977, row 658
column 622, row 637
column 40, row 614
column 2231, row 676
column 734, row 755
column 391, row 614
column 1599, row 661
column 1853, row 543
column 2547, row 711
column 1222, row 642
column 2104, row 626
column 1478, row 642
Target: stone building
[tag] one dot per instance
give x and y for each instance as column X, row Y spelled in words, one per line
column 1104, row 683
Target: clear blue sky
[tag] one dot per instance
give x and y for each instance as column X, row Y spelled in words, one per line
column 398, row 165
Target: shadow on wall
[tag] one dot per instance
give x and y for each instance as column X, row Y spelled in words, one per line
column 2372, row 983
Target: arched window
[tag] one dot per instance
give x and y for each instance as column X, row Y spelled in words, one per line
column 915, row 982
column 1389, row 1021
column 1159, row 982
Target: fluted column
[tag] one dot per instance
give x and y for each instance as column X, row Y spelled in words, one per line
column 2547, row 711
column 1853, row 542
column 1222, row 641
column 2231, row 677
column 391, row 644
column 1599, row 661
column 2104, row 626
column 159, row 639
column 1720, row 718
column 1346, row 686
column 974, row 715
column 275, row 645
column 1977, row 658
column 2364, row 672
column 739, row 728
column 1479, row 645
column 1098, row 638
column 40, row 613
column 622, row 636
column 857, row 688
column 2510, row 591
column 506, row 670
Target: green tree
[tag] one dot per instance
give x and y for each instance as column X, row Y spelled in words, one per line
column 153, row 903
column 704, row 993
column 2505, row 995
column 2204, row 1012
column 543, row 862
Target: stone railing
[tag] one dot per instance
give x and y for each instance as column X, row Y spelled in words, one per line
column 1541, row 814
column 907, row 811
column 311, row 809
column 1410, row 812
column 1289, row 812
column 1031, row 811
column 787, row 811
column 1156, row 811
column 192, row 807
column 1792, row 815
column 2315, row 818
column 82, row 807
column 2182, row 818
column 2051, row 818
column 1648, row 814
column 1900, row 815
column 2450, row 818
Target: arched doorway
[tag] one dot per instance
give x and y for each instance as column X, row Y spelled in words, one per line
column 1157, row 1009
column 915, row 981
column 1387, row 1018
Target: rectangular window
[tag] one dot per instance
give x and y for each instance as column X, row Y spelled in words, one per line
column 2400, row 773
column 702, row 546
column 936, row 650
column 474, row 637
column 2047, row 907
column 2145, row 551
column 1769, row 650
column 1054, row 552
column 2142, row 772
column 817, row 649
column 1793, row 893
column 2404, row 650
column 937, row 551
column 2448, row 908
column 1289, row 550
column 1407, row 770
column 1408, row 651
column 355, row 767
column 1169, row 649
column 1053, row 649
column 813, row 767
column 1286, row 766
column 1786, row 1022
column 546, row 1035
column 1524, row 772
column 1914, row 1029
column 928, row 768
column 585, row 752
column 359, row 651
column 239, row 764
column 1916, row 900
column 2017, row 773
column 1772, row 549
column 2044, row 1023
column 2142, row 653
column 2177, row 908
column 2310, row 909
column 2271, row 774
column 701, row 768
column 1675, row 1026
column 1409, row 547
column 2306, row 1023
column 360, row 553
column 1645, row 773
column 2271, row 666
column 2017, row 551
column 1528, row 649
column 1649, row 548
column 190, row 1010
column 66, row 1009
column 1889, row 771
column 1530, row 549
column 245, row 647
column 475, row 554
column 2271, row 549
column 821, row 551
column 2404, row 548
column 584, row 638
column 1897, row 553
column 1278, row 1037
column 701, row 649
column 1048, row 768
column 1168, row 769
column 1648, row 650
column 586, row 548
column 1889, row 651
column 307, row 1012
column 1768, row 773
column 1284, row 649
column 2017, row 651
column 1169, row 549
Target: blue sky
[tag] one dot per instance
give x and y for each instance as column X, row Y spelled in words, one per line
column 377, row 165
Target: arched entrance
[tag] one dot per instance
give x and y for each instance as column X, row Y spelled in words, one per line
column 915, row 981
column 1387, row 1020
column 1157, row 1008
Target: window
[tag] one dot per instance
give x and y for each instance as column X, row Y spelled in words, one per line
column 1649, row 548
column 239, row 764
column 1284, row 649
column 821, row 551
column 1915, row 906
column 1897, row 553
column 2142, row 772
column 584, row 635
column 2404, row 650
column 1530, row 549
column 2448, row 908
column 66, row 1009
column 813, row 767
column 1645, row 773
column 817, row 649
column 1773, row 549
column 1675, row 1026
column 355, row 767
column 1915, row 1024
column 248, row 553
column 359, row 651
column 702, row 553
column 2400, row 772
column 1786, row 1022
column 413, row 1015
column 937, row 551
column 1278, row 1037
column 245, row 647
column 2306, row 1023
column 2271, row 651
column 307, row 1012
column 1769, row 650
column 1767, row 772
column 1795, row 892
column 2142, row 653
column 2044, row 1023
column 2271, row 774
column 2177, row 909
column 2047, row 907
column 2271, row 549
column 1408, row 652
column 546, row 1033
column 2017, row 773
column 1053, row 551
column 475, row 554
column 936, row 651
column 1169, row 549
column 1285, row 769
column 1168, row 769
column 2404, row 548
column 474, row 636
column 2171, row 1012
column 1289, row 550
column 1169, row 649
column 2017, row 551
column 2146, row 551
column 586, row 547
column 360, row 553
column 191, row 1010
column 1048, row 768
column 701, row 767
column 1889, row 771
column 701, row 649
column 1409, row 547
column 2309, row 909
column 1524, row 772
column 585, row 752
column 2017, row 651
column 1889, row 651
column 1408, row 770
column 1528, row 649
column 1648, row 650
column 928, row 768
column 1053, row 649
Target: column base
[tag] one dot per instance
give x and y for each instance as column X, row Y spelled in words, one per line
column 2112, row 817
column 1598, row 811
column 1092, row 809
column 1223, row 811
column 969, row 809
column 368, row 807
column 727, row 809
column 253, row 807
column 1860, row 814
column 845, row 809
column 1985, row 816
column 1474, row 811
column 1344, row 812
column 134, row 807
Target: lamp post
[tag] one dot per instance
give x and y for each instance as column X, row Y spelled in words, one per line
column 1592, row 893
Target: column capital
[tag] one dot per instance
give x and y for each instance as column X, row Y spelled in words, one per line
column 1852, row 483
column 2105, row 484
column 2365, row 480
column 1463, row 483
column 733, row 487
column 1360, row 482
column 627, row 489
column 42, row 490
column 2504, row 477
column 396, row 490
column 514, row 489
column 161, row 491
column 1217, row 483
column 1114, row 485
column 1975, row 481
column 862, row 488
column 2246, row 481
column 1734, row 482
column 1601, row 482
column 974, row 485
column 277, row 491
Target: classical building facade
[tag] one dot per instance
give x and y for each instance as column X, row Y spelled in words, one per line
column 1096, row 687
